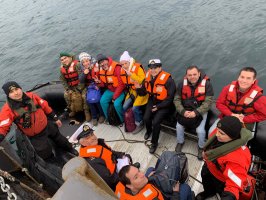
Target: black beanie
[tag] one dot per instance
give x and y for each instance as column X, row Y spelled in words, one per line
column 8, row 86
column 101, row 57
column 231, row 126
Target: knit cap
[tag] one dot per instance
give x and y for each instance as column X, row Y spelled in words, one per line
column 84, row 55
column 125, row 57
column 9, row 85
column 231, row 126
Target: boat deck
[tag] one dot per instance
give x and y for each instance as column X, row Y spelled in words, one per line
column 139, row 152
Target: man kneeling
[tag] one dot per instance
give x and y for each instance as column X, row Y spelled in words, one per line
column 135, row 185
column 101, row 157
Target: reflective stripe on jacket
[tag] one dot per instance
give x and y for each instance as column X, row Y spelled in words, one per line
column 70, row 73
column 99, row 151
column 149, row 192
column 159, row 90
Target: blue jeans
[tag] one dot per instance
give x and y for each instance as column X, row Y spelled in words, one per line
column 185, row 192
column 96, row 110
column 200, row 131
column 136, row 110
column 107, row 98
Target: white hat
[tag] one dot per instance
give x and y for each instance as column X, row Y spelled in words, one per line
column 155, row 61
column 125, row 56
column 84, row 55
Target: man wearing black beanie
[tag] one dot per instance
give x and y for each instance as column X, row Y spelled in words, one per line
column 227, row 160
column 28, row 111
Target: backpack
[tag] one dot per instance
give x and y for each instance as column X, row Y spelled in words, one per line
column 93, row 94
column 113, row 117
column 171, row 167
column 130, row 125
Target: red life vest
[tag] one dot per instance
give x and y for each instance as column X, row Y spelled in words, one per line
column 199, row 93
column 158, row 90
column 126, row 79
column 107, row 76
column 38, row 117
column 99, row 151
column 245, row 104
column 89, row 78
column 70, row 73
column 225, row 169
column 149, row 192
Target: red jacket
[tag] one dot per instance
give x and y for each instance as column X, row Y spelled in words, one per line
column 121, row 86
column 38, row 118
column 233, row 170
column 259, row 105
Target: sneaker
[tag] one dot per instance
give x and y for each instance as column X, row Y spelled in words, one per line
column 138, row 129
column 72, row 114
column 153, row 148
column 94, row 122
column 200, row 150
column 178, row 147
column 87, row 116
column 101, row 119
column 147, row 135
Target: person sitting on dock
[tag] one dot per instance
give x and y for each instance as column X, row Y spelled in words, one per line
column 132, row 72
column 227, row 160
column 105, row 161
column 243, row 99
column 161, row 89
column 135, row 185
column 69, row 75
column 29, row 112
column 194, row 99
column 109, row 78
column 90, row 70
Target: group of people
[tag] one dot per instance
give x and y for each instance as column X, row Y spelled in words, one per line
column 127, row 85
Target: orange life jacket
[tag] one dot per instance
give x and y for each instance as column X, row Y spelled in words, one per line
column 126, row 79
column 70, row 73
column 149, row 192
column 245, row 104
column 158, row 89
column 107, row 76
column 199, row 93
column 99, row 151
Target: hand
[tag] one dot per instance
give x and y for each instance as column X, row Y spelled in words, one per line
column 192, row 114
column 128, row 72
column 239, row 116
column 96, row 79
column 154, row 108
column 150, row 174
column 186, row 114
column 113, row 100
column 58, row 123
column 86, row 71
column 176, row 187
column 137, row 85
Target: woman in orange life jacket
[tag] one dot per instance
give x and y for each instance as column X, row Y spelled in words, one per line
column 90, row 70
column 109, row 78
column 69, row 75
column 161, row 88
column 225, row 170
column 132, row 72
column 100, row 156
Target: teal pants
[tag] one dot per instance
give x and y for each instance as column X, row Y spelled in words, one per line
column 107, row 98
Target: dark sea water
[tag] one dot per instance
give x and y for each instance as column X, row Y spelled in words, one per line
column 219, row 36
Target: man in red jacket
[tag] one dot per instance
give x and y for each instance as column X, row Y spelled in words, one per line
column 28, row 111
column 243, row 99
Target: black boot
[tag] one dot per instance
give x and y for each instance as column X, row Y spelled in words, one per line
column 153, row 148
column 147, row 135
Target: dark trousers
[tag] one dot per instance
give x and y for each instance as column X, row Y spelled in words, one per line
column 153, row 121
column 42, row 144
column 96, row 110
column 211, row 185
